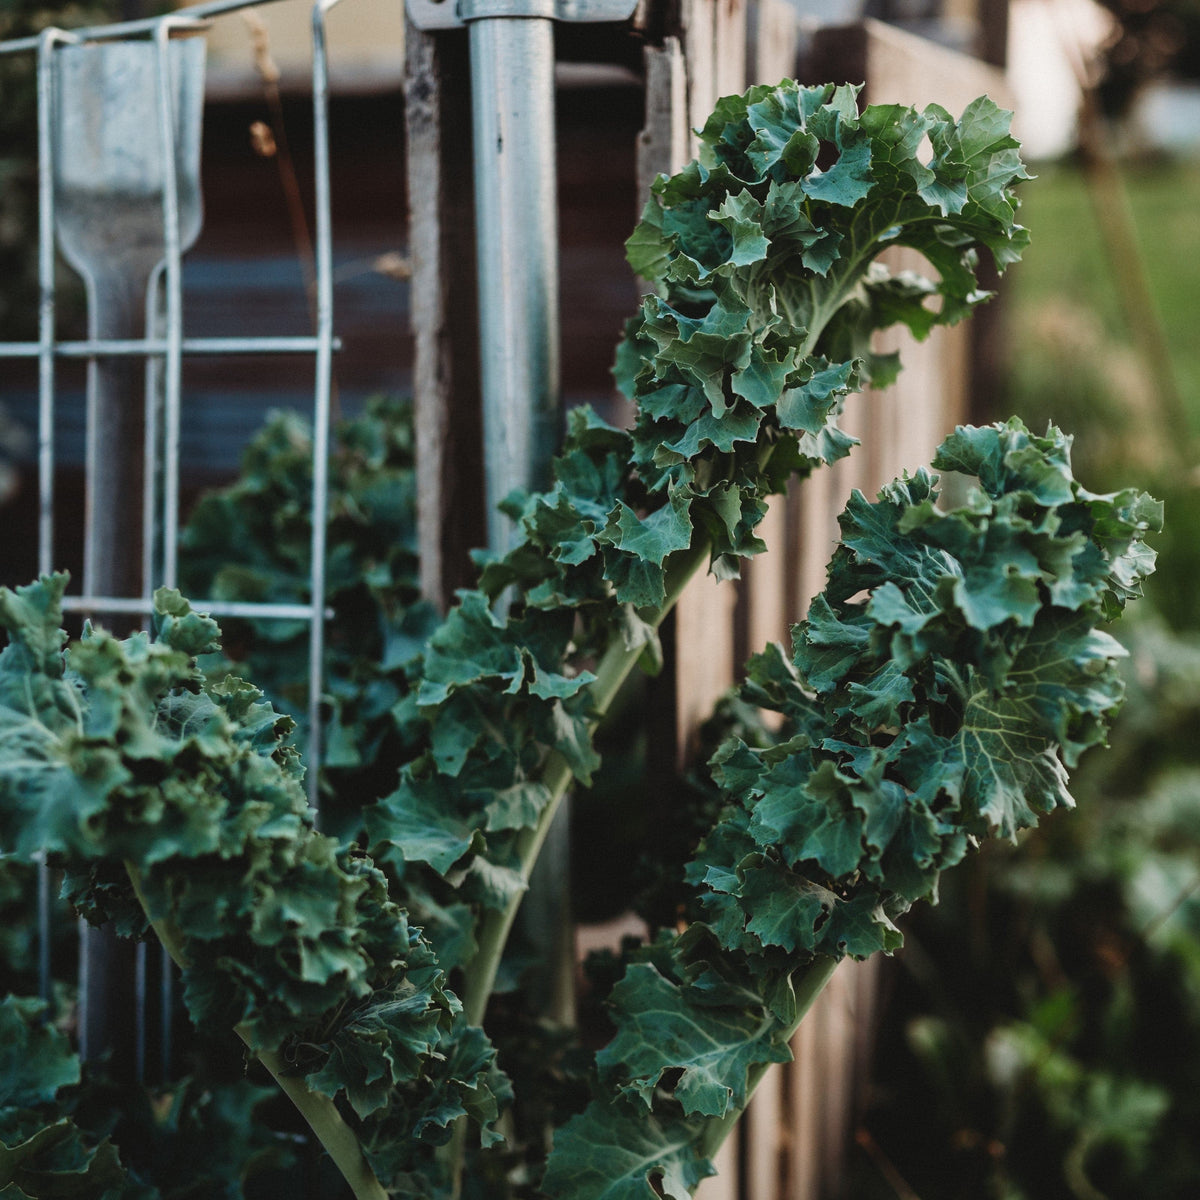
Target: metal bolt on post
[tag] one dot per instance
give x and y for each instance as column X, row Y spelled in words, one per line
column 516, row 222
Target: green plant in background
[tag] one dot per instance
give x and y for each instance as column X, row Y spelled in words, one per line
column 946, row 678
column 252, row 542
column 1063, row 1062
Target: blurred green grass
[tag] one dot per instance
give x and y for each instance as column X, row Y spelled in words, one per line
column 1071, row 356
column 1065, row 303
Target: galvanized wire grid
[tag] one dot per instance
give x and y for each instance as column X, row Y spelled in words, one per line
column 163, row 348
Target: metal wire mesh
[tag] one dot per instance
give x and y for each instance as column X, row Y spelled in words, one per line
column 163, row 347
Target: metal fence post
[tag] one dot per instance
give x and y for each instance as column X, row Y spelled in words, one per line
column 516, row 229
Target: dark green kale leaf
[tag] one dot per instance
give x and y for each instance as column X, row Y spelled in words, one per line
column 161, row 790
column 661, row 1021
column 946, row 678
column 42, row 1153
column 613, row 1151
column 252, row 541
column 767, row 292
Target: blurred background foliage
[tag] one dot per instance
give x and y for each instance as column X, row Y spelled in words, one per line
column 1152, row 38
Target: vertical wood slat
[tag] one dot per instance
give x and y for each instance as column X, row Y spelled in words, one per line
column 764, row 1136
column 705, row 613
column 449, row 440
column 664, row 143
column 714, row 51
column 773, row 38
column 900, row 67
column 805, row 1107
column 682, row 80
column 900, row 427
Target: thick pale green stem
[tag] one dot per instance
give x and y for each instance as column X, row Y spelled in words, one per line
column 809, row 981
column 612, row 671
column 318, row 1110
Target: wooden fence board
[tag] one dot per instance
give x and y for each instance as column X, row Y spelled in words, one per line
column 664, row 143
column 803, row 1164
column 765, row 593
column 772, row 41
column 446, row 404
column 901, row 68
column 764, row 1138
column 724, row 1184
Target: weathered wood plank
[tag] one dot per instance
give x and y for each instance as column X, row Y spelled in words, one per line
column 804, row 1103
column 664, row 143
column 697, row 20
column 793, row 1138
column 450, row 499
column 730, row 19
column 713, row 43
column 765, row 583
column 678, row 88
column 724, row 1184
column 704, row 667
column 765, row 1134
column 772, row 41
column 900, row 68
column 900, row 428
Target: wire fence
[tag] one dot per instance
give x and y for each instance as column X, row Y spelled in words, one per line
column 118, row 127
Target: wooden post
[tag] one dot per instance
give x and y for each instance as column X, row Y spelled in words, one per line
column 681, row 85
column 451, row 517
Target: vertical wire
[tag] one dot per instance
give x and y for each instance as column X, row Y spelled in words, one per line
column 171, row 373
column 46, row 305
column 152, row 450
column 46, row 332
column 150, row 480
column 174, row 306
column 321, row 400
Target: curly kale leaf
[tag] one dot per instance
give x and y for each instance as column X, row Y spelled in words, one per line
column 130, row 755
column 42, row 1153
column 767, row 292
column 252, row 541
column 658, row 1021
column 956, row 667
column 944, row 681
column 614, row 1152
column 764, row 261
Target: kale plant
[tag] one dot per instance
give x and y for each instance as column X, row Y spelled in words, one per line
column 950, row 672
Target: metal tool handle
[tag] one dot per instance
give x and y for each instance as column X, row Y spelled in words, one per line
column 112, row 563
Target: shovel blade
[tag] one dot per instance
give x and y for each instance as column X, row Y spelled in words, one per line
column 109, row 170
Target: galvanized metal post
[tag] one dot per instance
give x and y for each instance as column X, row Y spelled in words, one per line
column 516, row 221
column 516, row 224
